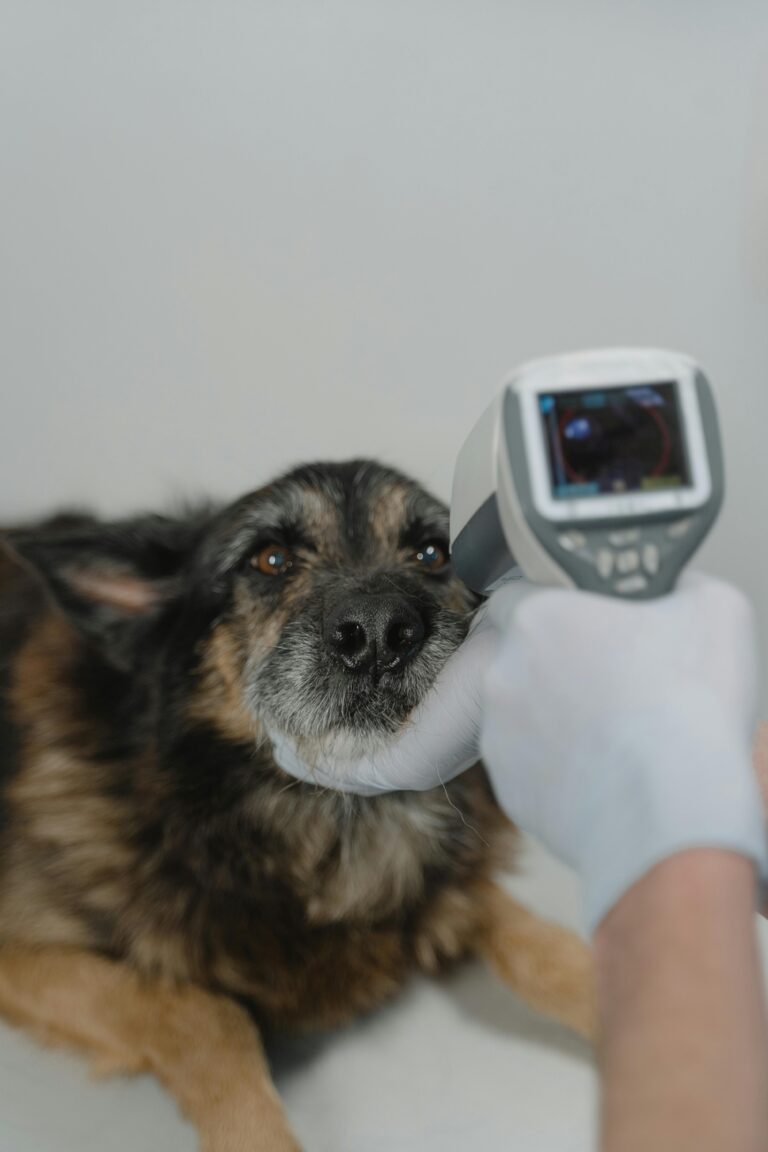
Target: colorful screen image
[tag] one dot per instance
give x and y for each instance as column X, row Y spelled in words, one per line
column 605, row 441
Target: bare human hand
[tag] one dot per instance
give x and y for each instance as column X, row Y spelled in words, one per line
column 760, row 761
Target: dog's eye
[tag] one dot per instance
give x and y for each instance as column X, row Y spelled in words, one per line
column 272, row 560
column 432, row 556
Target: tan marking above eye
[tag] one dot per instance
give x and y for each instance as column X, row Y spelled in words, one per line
column 272, row 560
column 432, row 556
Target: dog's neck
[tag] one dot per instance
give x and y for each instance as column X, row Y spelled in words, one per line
column 342, row 855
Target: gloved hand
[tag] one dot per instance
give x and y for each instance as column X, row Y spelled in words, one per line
column 441, row 739
column 619, row 733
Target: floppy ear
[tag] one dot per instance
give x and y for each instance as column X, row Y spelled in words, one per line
column 112, row 580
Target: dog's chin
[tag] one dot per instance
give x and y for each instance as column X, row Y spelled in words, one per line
column 363, row 725
column 340, row 746
column 331, row 758
column 348, row 727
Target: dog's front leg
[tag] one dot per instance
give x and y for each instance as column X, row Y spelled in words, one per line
column 546, row 965
column 203, row 1047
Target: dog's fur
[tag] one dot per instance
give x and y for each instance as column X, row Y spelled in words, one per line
column 145, row 830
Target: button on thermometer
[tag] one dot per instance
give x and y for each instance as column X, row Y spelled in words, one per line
column 599, row 470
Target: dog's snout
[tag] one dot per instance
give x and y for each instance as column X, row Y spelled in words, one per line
column 374, row 633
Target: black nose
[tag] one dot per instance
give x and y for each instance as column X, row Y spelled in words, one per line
column 374, row 633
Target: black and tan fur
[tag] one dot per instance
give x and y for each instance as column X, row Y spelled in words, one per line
column 150, row 849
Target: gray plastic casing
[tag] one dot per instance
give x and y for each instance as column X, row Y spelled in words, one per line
column 506, row 532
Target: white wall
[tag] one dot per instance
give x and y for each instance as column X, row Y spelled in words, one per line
column 239, row 233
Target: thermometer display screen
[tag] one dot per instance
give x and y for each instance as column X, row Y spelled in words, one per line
column 612, row 440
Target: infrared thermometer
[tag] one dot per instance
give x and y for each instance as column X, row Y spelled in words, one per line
column 600, row 470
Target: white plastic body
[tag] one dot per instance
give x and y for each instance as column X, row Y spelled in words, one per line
column 483, row 470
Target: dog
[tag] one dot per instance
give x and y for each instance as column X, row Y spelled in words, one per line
column 168, row 895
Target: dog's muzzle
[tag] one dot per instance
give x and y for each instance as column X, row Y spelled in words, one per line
column 373, row 633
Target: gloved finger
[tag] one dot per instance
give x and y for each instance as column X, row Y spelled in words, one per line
column 502, row 605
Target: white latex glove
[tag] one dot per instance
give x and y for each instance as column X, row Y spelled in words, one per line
column 441, row 739
column 619, row 733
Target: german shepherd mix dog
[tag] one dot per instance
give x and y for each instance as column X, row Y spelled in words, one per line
column 167, row 893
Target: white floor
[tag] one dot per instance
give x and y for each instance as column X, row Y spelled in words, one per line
column 446, row 1068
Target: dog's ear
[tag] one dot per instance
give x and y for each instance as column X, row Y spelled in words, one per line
column 113, row 580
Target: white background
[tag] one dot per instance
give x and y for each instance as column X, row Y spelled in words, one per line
column 235, row 234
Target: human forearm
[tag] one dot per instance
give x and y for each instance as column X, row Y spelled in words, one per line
column 677, row 966
column 760, row 760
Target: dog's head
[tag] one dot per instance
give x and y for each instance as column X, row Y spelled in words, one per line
column 323, row 604
column 342, row 603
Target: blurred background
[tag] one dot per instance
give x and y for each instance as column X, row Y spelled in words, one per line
column 239, row 234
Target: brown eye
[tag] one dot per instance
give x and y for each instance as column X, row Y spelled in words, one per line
column 432, row 556
column 272, row 560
